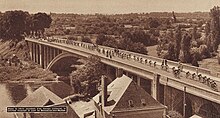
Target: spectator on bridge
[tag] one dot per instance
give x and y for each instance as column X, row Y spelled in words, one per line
column 141, row 60
column 150, row 62
column 208, row 81
column 137, row 58
column 165, row 62
column 204, row 79
column 145, row 61
column 173, row 69
column 199, row 77
column 103, row 51
column 197, row 71
column 214, row 85
column 155, row 64
column 193, row 76
column 134, row 57
column 180, row 66
column 187, row 74
column 110, row 56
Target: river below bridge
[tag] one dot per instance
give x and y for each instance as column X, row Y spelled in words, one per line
column 13, row 93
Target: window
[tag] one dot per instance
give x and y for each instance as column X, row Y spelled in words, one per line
column 130, row 103
column 143, row 102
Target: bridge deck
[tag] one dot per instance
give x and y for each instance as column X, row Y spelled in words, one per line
column 131, row 62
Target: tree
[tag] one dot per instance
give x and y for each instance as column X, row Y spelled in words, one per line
column 185, row 49
column 153, row 23
column 178, row 38
column 100, row 39
column 194, row 33
column 86, row 39
column 111, row 43
column 39, row 22
column 207, row 29
column 89, row 74
column 13, row 24
column 210, row 42
column 215, row 25
column 139, row 48
column 195, row 60
column 171, row 52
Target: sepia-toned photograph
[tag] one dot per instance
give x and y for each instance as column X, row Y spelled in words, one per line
column 109, row 58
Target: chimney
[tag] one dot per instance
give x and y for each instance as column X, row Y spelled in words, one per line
column 104, row 90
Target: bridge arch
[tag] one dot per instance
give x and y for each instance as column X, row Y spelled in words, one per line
column 59, row 57
column 63, row 63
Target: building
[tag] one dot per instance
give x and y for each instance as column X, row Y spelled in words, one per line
column 123, row 98
column 44, row 97
column 60, row 88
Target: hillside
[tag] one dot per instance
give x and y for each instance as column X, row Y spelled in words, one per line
column 28, row 71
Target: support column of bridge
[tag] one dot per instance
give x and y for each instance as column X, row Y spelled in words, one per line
column 119, row 72
column 126, row 73
column 54, row 53
column 34, row 52
column 37, row 54
column 165, row 95
column 51, row 53
column 47, row 55
column 155, row 87
column 30, row 45
column 138, row 80
column 41, row 55
column 44, row 58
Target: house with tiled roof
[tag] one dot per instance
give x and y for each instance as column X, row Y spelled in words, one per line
column 59, row 88
column 123, row 98
column 44, row 97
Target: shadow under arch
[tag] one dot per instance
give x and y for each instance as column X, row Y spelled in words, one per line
column 60, row 56
column 208, row 111
column 62, row 63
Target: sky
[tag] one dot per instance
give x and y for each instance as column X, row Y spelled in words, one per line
column 108, row 6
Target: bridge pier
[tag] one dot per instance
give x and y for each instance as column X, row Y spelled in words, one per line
column 44, row 57
column 138, row 80
column 37, row 54
column 155, row 87
column 119, row 72
column 41, row 60
column 34, row 52
column 47, row 55
column 51, row 53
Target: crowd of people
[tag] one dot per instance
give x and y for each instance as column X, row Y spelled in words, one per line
column 112, row 52
column 11, row 61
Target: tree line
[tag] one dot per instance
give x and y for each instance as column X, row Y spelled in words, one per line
column 17, row 24
column 191, row 46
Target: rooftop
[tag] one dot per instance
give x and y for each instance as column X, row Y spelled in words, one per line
column 41, row 97
column 122, row 90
